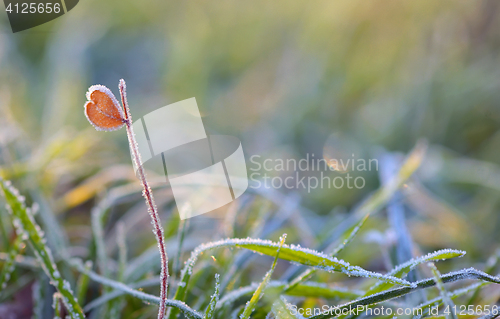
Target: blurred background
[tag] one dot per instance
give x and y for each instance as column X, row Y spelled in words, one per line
column 283, row 77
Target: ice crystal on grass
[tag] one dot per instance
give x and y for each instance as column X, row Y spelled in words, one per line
column 27, row 226
column 282, row 310
column 443, row 292
column 252, row 303
column 56, row 304
column 209, row 313
column 402, row 270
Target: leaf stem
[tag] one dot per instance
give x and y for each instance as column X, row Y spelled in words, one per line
column 148, row 196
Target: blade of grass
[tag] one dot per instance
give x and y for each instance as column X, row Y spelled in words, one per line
column 122, row 250
column 150, row 282
column 98, row 233
column 308, row 289
column 292, row 253
column 209, row 313
column 83, row 283
column 443, row 292
column 395, row 210
column 380, row 197
column 147, row 298
column 116, row 305
column 494, row 315
column 281, row 310
column 180, row 238
column 490, row 267
column 16, row 248
column 375, row 201
column 244, row 257
column 469, row 273
column 25, row 223
column 3, row 232
column 250, row 306
column 402, row 270
column 351, row 233
column 453, row 295
column 56, row 237
column 57, row 305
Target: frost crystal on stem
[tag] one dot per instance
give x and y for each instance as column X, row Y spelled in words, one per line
column 148, row 196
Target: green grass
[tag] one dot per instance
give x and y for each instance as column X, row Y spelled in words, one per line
column 119, row 286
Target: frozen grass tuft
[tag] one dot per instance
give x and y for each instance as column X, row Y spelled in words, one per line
column 114, row 272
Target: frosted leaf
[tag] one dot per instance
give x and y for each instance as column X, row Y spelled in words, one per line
column 103, row 110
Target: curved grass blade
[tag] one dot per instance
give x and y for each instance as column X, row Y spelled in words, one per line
column 308, row 289
column 256, row 230
column 8, row 267
column 150, row 282
column 116, row 306
column 98, row 236
column 209, row 313
column 4, row 234
column 312, row 258
column 304, row 256
column 374, row 202
column 491, row 264
column 56, row 304
column 350, row 234
column 25, row 223
column 250, row 306
column 443, row 292
column 492, row 315
column 424, row 307
column 56, row 237
column 389, row 163
column 402, row 270
column 83, row 283
column 469, row 273
column 147, row 298
column 183, row 226
column 281, row 310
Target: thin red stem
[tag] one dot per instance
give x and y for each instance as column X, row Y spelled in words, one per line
column 148, row 195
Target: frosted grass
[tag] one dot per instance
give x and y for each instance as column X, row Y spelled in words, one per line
column 402, row 270
column 293, row 253
column 252, row 304
column 210, row 312
column 443, row 292
column 281, row 310
column 307, row 289
column 468, row 273
column 29, row 230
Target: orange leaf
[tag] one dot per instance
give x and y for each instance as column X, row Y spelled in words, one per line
column 102, row 109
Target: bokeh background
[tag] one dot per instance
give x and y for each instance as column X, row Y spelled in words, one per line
column 283, row 77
